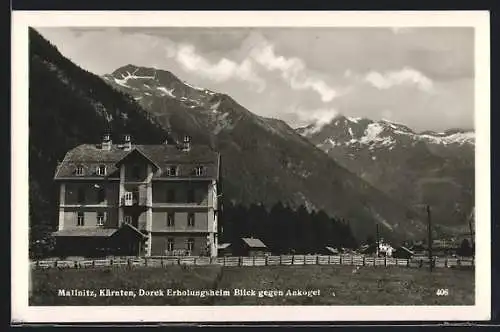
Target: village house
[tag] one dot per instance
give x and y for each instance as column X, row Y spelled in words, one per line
column 146, row 200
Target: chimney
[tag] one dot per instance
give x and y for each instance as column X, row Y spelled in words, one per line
column 127, row 143
column 186, row 143
column 106, row 142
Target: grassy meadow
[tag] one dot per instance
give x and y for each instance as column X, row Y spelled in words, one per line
column 332, row 285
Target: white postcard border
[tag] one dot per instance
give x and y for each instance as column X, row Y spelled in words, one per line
column 21, row 312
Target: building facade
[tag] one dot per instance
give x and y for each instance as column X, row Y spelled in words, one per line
column 148, row 200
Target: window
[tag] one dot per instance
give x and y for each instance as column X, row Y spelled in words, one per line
column 79, row 170
column 127, row 220
column 101, row 195
column 136, row 172
column 80, row 219
column 191, row 219
column 190, row 244
column 170, row 244
column 171, row 195
column 101, row 170
column 128, row 198
column 170, row 219
column 172, row 171
column 81, row 195
column 190, row 196
column 199, row 170
column 100, row 219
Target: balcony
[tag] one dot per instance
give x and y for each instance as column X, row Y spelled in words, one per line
column 134, row 200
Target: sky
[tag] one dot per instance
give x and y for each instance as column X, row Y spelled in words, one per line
column 422, row 77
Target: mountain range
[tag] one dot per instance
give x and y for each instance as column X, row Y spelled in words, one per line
column 418, row 168
column 264, row 159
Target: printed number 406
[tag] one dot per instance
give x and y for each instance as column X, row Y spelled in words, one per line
column 442, row 292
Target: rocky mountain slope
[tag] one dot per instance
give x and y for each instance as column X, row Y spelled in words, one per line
column 416, row 168
column 264, row 160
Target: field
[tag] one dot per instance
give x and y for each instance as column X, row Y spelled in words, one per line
column 329, row 285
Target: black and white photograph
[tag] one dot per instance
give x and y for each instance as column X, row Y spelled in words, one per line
column 291, row 165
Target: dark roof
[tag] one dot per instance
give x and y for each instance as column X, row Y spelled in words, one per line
column 90, row 156
column 86, row 232
column 332, row 250
column 132, row 228
column 406, row 249
column 254, row 243
column 223, row 245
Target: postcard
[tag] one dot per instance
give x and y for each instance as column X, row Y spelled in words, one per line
column 250, row 166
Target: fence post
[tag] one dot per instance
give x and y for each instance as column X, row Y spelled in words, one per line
column 446, row 262
column 364, row 262
column 162, row 263
column 253, row 260
column 421, row 262
column 317, row 259
column 93, row 263
column 385, row 260
column 293, row 259
column 281, row 260
column 37, row 264
column 408, row 262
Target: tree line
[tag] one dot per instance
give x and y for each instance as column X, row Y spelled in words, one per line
column 283, row 229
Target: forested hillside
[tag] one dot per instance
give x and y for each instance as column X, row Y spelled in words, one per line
column 68, row 106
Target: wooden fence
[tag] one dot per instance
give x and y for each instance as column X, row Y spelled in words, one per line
column 256, row 261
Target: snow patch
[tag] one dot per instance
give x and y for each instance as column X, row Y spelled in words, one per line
column 372, row 135
column 122, row 83
column 457, row 138
column 215, row 107
column 166, row 92
column 354, row 119
column 311, row 129
column 350, row 132
column 194, row 87
column 332, row 142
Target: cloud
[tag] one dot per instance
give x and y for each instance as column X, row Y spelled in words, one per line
column 318, row 116
column 221, row 71
column 293, row 71
column 402, row 77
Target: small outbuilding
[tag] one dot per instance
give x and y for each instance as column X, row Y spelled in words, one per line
column 249, row 246
column 403, row 252
column 331, row 251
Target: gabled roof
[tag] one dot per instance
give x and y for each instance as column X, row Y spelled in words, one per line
column 254, row 243
column 86, row 232
column 90, row 156
column 136, row 151
column 332, row 250
column 407, row 250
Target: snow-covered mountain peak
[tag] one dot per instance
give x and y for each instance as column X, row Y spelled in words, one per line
column 384, row 133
